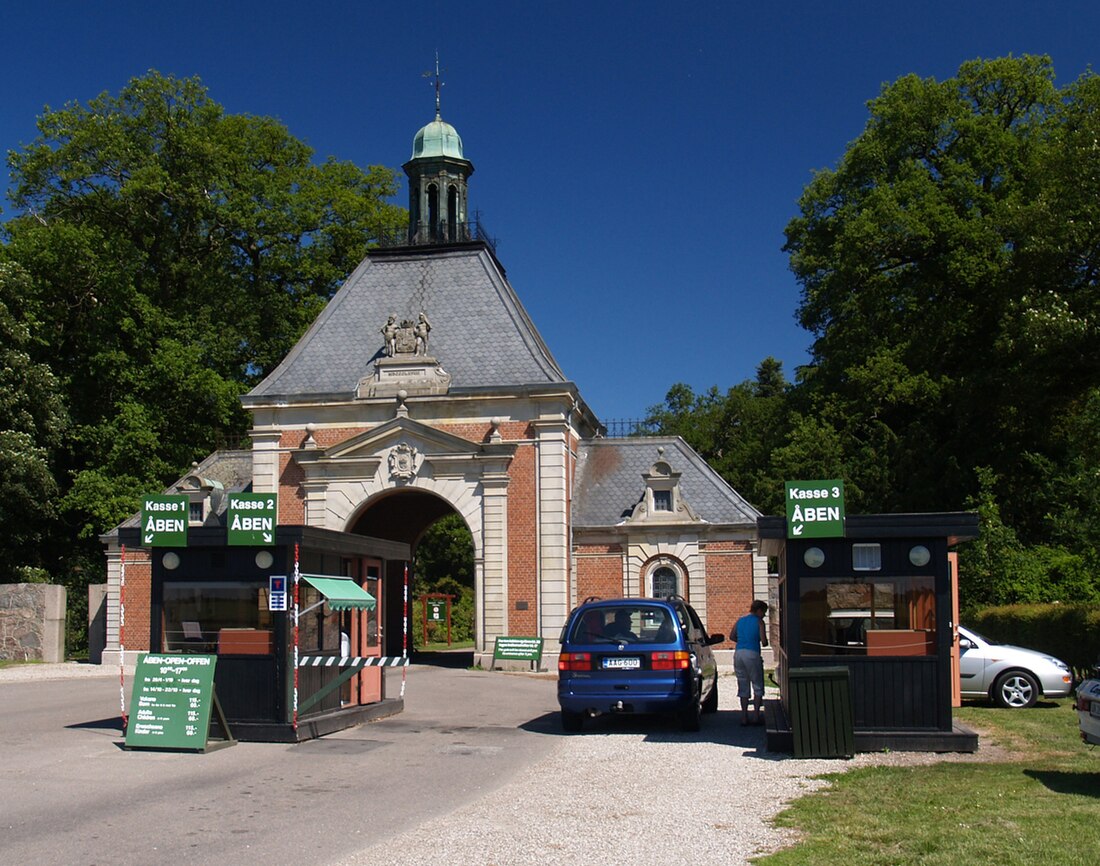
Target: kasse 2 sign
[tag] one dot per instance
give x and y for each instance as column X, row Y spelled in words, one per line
column 250, row 519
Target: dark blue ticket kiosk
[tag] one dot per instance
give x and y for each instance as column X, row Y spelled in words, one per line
column 878, row 601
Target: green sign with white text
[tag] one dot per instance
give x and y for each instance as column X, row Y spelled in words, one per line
column 164, row 521
column 524, row 648
column 171, row 701
column 815, row 509
column 250, row 519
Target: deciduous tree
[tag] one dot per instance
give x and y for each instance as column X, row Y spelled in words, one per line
column 949, row 268
column 175, row 254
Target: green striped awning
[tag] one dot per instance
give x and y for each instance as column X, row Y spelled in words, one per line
column 341, row 593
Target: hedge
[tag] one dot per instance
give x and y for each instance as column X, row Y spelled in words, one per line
column 1069, row 631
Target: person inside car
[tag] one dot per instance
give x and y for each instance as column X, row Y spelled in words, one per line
column 620, row 628
column 592, row 627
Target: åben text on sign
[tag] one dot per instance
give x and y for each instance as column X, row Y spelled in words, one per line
column 815, row 509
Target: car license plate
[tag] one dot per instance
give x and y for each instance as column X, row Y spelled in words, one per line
column 623, row 663
column 1094, row 709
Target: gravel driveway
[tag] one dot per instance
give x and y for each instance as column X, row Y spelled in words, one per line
column 632, row 791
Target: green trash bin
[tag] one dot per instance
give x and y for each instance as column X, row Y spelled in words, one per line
column 820, row 702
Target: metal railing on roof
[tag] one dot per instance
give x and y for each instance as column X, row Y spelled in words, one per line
column 622, row 428
column 442, row 233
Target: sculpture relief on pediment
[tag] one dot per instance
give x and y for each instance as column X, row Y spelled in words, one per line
column 405, row 363
column 404, row 461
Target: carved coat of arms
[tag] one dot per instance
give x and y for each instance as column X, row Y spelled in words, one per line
column 404, row 461
column 407, row 337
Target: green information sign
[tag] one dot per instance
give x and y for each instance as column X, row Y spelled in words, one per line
column 164, row 521
column 435, row 610
column 171, row 701
column 250, row 519
column 523, row 648
column 815, row 509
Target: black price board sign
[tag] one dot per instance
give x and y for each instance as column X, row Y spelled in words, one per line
column 171, row 701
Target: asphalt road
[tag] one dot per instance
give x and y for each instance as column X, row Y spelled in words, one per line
column 70, row 794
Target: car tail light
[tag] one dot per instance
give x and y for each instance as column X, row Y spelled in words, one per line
column 575, row 662
column 1083, row 704
column 670, row 661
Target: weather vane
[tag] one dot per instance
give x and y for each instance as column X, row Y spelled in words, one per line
column 438, row 83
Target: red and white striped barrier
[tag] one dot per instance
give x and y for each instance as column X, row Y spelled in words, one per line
column 353, row 661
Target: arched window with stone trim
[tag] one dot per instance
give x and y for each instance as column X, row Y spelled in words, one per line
column 664, row 577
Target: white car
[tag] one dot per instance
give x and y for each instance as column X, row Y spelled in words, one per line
column 1088, row 710
column 1010, row 676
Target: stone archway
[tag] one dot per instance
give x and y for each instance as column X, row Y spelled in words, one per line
column 404, row 466
column 405, row 515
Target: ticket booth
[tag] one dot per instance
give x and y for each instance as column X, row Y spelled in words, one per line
column 210, row 598
column 877, row 600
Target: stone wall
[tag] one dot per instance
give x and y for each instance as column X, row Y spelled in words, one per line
column 97, row 622
column 32, row 622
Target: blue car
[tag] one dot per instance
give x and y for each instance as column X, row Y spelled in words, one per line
column 636, row 655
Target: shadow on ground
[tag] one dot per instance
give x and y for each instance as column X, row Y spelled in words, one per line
column 459, row 659
column 113, row 723
column 722, row 727
column 1084, row 784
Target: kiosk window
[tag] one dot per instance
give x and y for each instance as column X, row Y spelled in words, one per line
column 872, row 616
column 318, row 629
column 200, row 616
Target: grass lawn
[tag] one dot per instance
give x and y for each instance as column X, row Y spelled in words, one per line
column 441, row 646
column 1037, row 802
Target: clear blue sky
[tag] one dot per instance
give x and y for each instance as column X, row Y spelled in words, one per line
column 637, row 161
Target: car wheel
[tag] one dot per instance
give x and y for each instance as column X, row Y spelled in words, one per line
column 710, row 705
column 1015, row 690
column 571, row 722
column 690, row 718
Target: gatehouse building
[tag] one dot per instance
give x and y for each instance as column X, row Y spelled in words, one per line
column 423, row 389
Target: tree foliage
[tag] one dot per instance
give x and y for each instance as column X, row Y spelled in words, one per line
column 32, row 423
column 949, row 267
column 735, row 432
column 174, row 253
column 444, row 563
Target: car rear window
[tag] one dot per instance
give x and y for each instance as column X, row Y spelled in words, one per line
column 628, row 623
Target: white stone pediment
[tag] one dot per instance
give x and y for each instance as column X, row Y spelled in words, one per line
column 385, row 436
column 401, row 450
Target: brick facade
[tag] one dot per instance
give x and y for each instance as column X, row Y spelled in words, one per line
column 599, row 571
column 522, row 543
column 138, row 592
column 729, row 568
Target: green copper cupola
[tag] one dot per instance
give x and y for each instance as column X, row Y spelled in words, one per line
column 438, row 173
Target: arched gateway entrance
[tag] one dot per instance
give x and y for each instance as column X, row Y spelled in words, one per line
column 393, row 481
column 404, row 516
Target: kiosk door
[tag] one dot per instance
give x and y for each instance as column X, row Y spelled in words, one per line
column 369, row 637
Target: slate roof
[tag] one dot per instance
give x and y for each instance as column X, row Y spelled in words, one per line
column 231, row 469
column 609, row 482
column 481, row 333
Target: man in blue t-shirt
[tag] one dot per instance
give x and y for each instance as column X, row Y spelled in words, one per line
column 748, row 664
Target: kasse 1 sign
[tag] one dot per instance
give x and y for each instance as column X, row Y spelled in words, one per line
column 164, row 520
